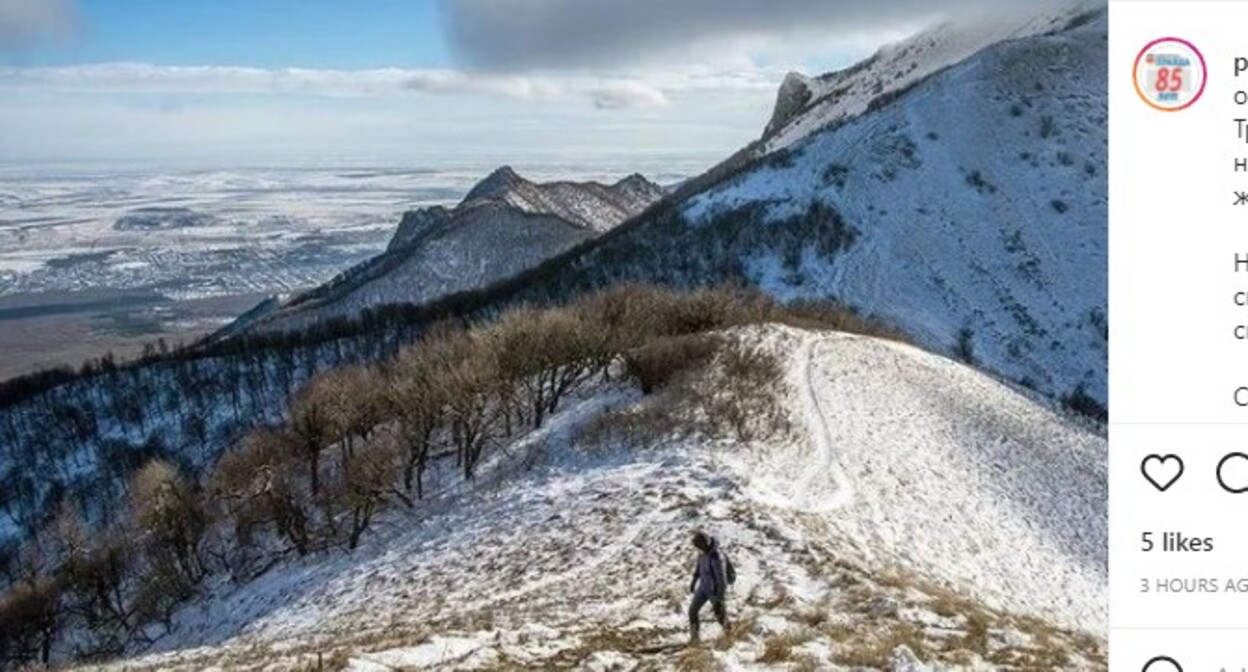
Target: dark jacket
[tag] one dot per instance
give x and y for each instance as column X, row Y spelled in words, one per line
column 708, row 573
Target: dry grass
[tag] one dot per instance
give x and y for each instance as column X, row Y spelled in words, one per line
column 779, row 597
column 816, row 616
column 745, row 624
column 779, row 648
column 696, row 660
column 807, row 664
column 332, row 662
column 874, row 630
column 875, row 649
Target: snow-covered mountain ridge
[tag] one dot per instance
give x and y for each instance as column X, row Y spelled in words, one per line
column 981, row 230
column 966, row 531
column 506, row 224
column 964, row 201
column 591, row 205
column 805, row 104
column 969, row 210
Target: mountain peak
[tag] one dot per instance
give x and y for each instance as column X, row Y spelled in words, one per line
column 495, row 184
column 793, row 95
column 634, row 180
column 638, row 188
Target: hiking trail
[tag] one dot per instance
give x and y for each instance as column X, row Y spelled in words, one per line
column 808, row 494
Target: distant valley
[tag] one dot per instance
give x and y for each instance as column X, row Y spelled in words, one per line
column 97, row 259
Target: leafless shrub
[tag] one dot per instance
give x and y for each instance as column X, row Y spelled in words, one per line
column 94, row 574
column 642, row 427
column 545, row 355
column 811, row 314
column 358, row 439
column 338, row 407
column 737, row 394
column 712, row 385
column 657, row 363
column 170, row 520
column 468, row 372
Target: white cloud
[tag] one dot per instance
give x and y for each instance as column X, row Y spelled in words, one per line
column 43, row 126
column 137, row 111
column 640, row 89
column 628, row 94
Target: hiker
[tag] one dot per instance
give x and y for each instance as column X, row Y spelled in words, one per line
column 711, row 576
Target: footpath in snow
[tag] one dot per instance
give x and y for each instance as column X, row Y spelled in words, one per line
column 919, row 511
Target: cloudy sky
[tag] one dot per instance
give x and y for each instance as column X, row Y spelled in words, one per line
column 409, row 81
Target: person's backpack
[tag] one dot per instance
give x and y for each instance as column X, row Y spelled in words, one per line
column 730, row 572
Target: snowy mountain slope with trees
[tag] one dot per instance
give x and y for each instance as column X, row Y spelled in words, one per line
column 981, row 231
column 505, row 225
column 990, row 251
column 946, row 533
column 957, row 241
column 969, row 211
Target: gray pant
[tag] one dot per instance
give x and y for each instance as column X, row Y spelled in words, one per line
column 699, row 600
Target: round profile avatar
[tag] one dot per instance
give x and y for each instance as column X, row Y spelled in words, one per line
column 1170, row 74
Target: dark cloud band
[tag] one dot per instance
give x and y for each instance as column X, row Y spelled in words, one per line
column 518, row 34
column 26, row 22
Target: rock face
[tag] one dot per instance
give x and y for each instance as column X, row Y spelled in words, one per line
column 505, row 224
column 793, row 96
column 416, row 224
column 971, row 211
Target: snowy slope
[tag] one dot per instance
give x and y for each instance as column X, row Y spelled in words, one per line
column 504, row 225
column 980, row 199
column 806, row 104
column 920, row 511
column 970, row 211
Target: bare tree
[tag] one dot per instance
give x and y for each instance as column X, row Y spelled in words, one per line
column 310, row 425
column 360, row 485
column 170, row 522
column 416, row 398
column 468, row 373
column 545, row 354
column 255, row 485
column 96, row 570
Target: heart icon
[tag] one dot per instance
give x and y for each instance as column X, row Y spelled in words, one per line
column 1162, row 470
